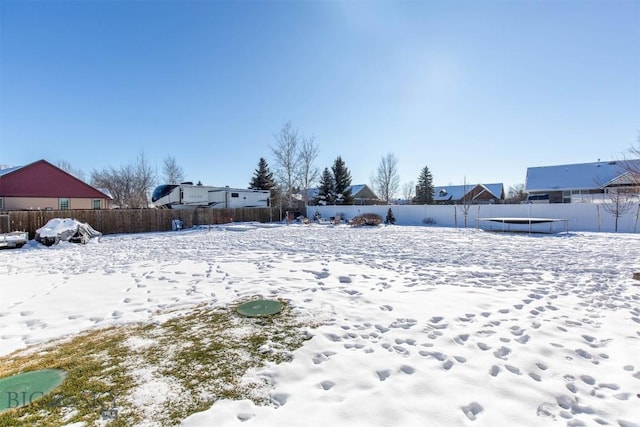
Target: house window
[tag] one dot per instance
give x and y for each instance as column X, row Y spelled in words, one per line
column 235, row 195
column 63, row 203
column 566, row 197
column 95, row 204
column 1, row 203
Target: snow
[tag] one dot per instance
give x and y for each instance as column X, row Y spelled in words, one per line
column 15, row 236
column 57, row 226
column 64, row 229
column 419, row 325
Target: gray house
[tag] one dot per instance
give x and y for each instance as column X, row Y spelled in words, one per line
column 470, row 193
column 580, row 182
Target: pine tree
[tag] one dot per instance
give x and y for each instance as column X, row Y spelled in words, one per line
column 391, row 219
column 262, row 178
column 326, row 191
column 424, row 189
column 342, row 182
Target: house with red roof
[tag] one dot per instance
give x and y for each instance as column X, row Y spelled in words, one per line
column 42, row 185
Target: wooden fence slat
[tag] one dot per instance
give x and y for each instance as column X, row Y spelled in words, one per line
column 112, row 221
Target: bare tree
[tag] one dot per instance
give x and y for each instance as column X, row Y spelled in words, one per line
column 407, row 190
column 145, row 179
column 308, row 171
column 129, row 185
column 619, row 201
column 387, row 180
column 466, row 201
column 286, row 158
column 516, row 194
column 632, row 166
column 172, row 173
column 66, row 166
column 117, row 181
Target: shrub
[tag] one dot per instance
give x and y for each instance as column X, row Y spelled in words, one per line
column 429, row 221
column 366, row 219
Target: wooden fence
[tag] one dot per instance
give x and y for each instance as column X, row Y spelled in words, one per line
column 133, row 220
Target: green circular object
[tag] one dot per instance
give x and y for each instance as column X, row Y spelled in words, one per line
column 260, row 307
column 22, row 389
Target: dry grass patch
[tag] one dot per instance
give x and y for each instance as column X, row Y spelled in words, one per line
column 158, row 373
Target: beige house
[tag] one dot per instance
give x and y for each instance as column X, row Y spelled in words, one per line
column 41, row 185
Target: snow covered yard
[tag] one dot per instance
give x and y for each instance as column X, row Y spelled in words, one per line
column 418, row 325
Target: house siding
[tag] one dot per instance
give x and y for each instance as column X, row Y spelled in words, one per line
column 42, row 203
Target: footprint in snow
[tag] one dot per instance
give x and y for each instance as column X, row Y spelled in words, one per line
column 279, row 399
column 245, row 416
column 383, row 374
column 327, row 385
column 435, row 354
column 407, row 369
column 484, row 347
column 472, row 410
column 322, row 357
column 461, row 339
column 588, row 379
column 502, row 353
column 494, row 371
column 513, row 369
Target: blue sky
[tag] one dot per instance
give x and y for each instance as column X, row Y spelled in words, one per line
column 475, row 90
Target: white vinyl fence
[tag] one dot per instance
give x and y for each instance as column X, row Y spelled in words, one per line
column 578, row 216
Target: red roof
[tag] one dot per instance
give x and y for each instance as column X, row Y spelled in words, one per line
column 42, row 179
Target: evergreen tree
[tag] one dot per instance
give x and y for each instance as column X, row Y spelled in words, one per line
column 262, row 178
column 342, row 182
column 391, row 219
column 326, row 191
column 424, row 189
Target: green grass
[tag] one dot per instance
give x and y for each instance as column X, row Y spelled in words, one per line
column 199, row 356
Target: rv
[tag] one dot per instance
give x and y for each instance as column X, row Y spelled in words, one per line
column 189, row 196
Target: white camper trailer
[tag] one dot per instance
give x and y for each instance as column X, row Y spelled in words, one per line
column 187, row 195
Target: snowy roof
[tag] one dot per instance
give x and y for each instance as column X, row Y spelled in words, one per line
column 579, row 176
column 450, row 192
column 9, row 170
column 105, row 191
column 495, row 189
column 355, row 189
column 457, row 192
